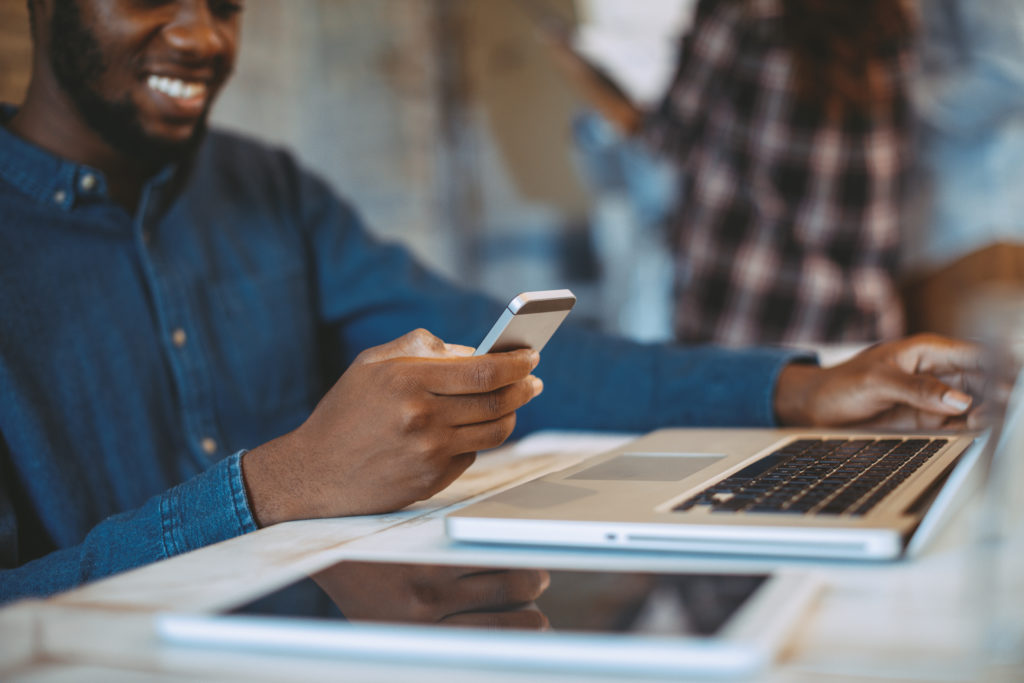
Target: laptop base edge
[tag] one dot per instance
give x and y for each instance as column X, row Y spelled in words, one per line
column 866, row 544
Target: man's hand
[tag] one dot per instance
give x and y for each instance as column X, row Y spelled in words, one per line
column 457, row 596
column 402, row 423
column 923, row 382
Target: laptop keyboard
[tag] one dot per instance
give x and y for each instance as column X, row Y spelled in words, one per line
column 819, row 476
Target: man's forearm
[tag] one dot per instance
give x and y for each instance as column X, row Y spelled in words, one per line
column 208, row 508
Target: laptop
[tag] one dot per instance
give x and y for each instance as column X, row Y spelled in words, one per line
column 768, row 492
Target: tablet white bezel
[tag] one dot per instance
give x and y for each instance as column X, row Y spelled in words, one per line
column 746, row 644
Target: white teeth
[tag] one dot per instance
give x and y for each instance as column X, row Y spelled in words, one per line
column 175, row 87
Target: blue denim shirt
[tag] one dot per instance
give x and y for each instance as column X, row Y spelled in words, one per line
column 141, row 354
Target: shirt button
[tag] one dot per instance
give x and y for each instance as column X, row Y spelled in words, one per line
column 87, row 182
column 59, row 196
column 208, row 445
column 178, row 337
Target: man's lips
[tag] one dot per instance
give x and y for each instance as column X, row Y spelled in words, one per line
column 182, row 97
column 177, row 88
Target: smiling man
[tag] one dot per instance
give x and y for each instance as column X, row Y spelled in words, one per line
column 199, row 338
column 133, row 96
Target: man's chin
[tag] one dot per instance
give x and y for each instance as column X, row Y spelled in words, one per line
column 153, row 151
column 157, row 151
column 120, row 125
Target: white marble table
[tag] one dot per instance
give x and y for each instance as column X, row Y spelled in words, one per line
column 910, row 620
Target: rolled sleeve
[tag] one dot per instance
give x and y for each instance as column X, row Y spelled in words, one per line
column 210, row 507
column 595, row 382
column 731, row 388
column 206, row 509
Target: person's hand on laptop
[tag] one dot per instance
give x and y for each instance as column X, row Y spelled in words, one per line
column 403, row 422
column 923, row 382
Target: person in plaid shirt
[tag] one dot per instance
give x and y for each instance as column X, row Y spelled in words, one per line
column 790, row 126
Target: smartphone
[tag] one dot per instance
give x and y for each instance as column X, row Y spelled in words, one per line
column 528, row 321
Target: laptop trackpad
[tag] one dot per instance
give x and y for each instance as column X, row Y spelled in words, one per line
column 649, row 467
column 540, row 494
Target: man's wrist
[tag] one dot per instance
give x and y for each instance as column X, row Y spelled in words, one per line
column 794, row 394
column 266, row 483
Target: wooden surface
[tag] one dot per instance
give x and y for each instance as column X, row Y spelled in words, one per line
column 920, row 619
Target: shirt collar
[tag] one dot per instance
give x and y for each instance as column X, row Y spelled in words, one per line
column 48, row 178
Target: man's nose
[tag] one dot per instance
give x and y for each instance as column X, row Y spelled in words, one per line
column 195, row 31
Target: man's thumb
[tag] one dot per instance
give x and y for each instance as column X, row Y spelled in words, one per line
column 936, row 396
column 928, row 393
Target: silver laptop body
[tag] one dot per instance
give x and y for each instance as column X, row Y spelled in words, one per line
column 653, row 494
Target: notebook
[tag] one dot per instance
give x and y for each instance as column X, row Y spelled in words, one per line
column 768, row 492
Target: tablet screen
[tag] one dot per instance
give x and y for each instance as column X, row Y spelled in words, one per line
column 531, row 599
column 383, row 614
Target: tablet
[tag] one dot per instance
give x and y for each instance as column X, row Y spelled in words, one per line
column 624, row 622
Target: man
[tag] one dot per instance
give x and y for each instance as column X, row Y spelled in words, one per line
column 172, row 297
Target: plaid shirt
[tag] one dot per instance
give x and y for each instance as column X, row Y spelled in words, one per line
column 787, row 227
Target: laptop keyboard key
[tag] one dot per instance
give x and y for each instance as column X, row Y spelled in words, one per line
column 811, row 476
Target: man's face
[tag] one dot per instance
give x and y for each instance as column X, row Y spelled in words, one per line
column 143, row 73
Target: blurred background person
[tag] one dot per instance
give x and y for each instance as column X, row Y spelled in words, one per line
column 449, row 123
column 964, row 233
column 789, row 122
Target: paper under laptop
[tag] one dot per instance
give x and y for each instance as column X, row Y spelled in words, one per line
column 676, row 490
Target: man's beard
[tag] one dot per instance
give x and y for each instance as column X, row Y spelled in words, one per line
column 78, row 64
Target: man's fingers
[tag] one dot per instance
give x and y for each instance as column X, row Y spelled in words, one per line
column 937, row 355
column 522, row 619
column 477, row 374
column 416, row 344
column 501, row 598
column 973, row 383
column 923, row 392
column 459, row 349
column 484, row 435
column 472, row 408
column 466, row 441
column 501, row 589
column 907, row 419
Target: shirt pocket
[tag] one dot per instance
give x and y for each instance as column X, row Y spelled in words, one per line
column 265, row 335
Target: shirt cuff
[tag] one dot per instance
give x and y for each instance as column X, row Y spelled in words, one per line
column 209, row 508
